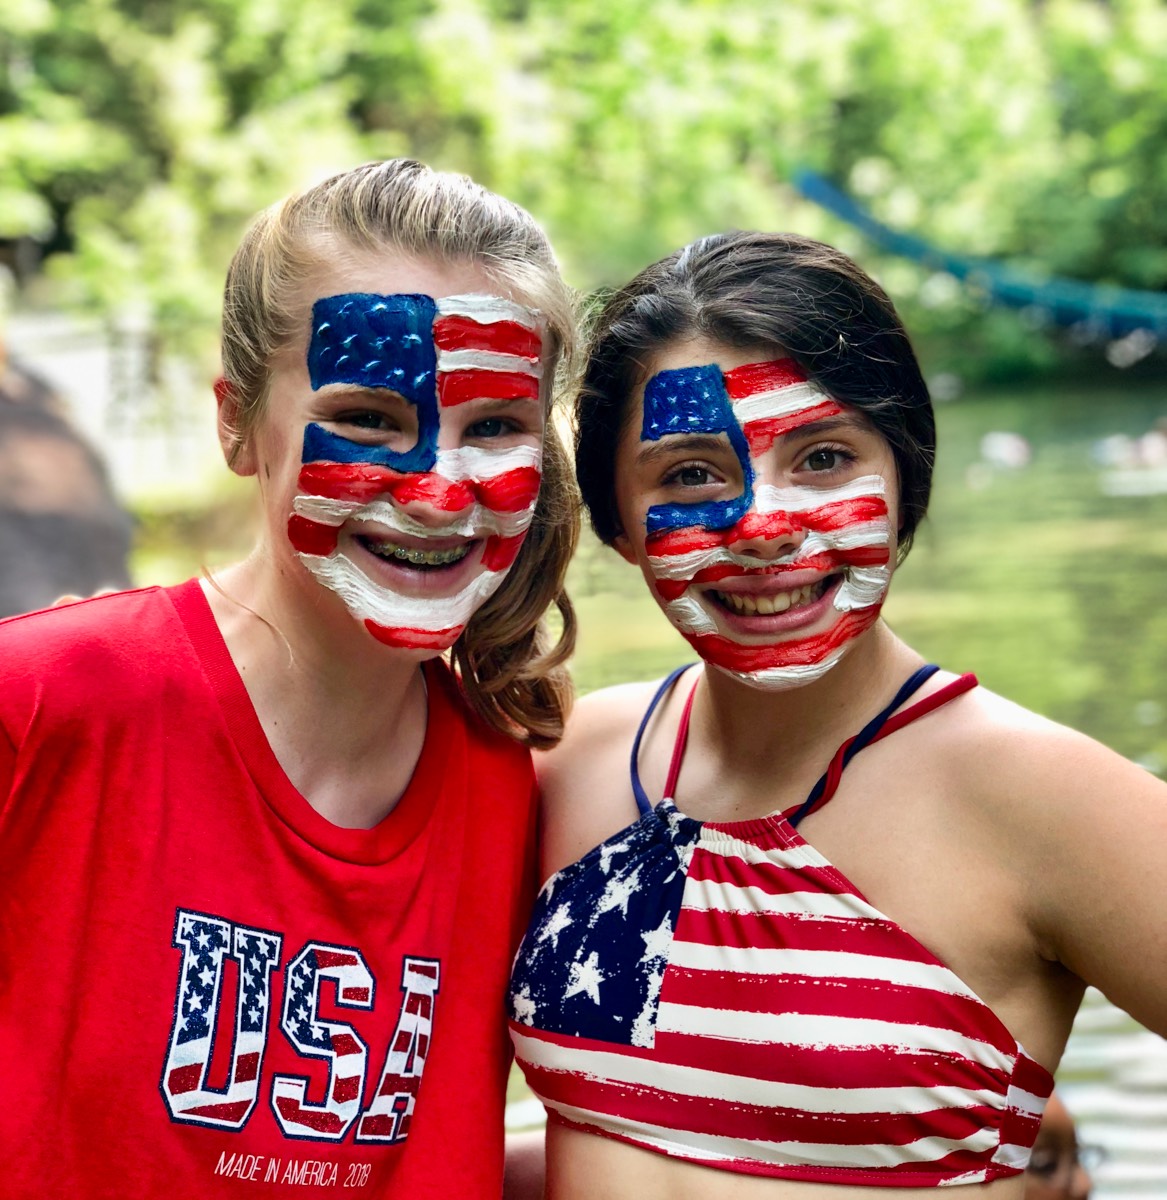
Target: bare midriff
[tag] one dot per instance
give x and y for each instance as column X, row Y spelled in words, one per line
column 583, row 1166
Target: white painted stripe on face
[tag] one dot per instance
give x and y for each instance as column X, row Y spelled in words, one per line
column 474, row 522
column 371, row 601
column 823, row 964
column 476, row 462
column 684, row 1080
column 690, row 616
column 778, row 678
column 487, row 360
column 713, row 1148
column 850, row 537
column 861, row 588
column 778, row 402
column 487, row 309
column 768, row 499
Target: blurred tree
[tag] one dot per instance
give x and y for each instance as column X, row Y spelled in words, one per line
column 137, row 136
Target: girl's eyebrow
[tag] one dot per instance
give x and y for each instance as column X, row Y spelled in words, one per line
column 690, row 443
column 813, row 429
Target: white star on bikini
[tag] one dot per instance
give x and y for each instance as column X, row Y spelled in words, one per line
column 618, row 892
column 607, row 853
column 657, row 941
column 586, row 977
column 555, row 924
column 524, row 1006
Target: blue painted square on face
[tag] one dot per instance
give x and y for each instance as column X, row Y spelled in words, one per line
column 695, row 400
column 375, row 341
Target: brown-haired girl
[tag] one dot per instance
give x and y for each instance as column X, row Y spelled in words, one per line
column 265, row 853
column 817, row 916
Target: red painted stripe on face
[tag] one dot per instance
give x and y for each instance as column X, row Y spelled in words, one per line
column 414, row 639
column 828, row 562
column 458, row 387
column 499, row 337
column 500, row 552
column 828, row 518
column 360, row 483
column 356, row 483
column 310, row 537
column 434, row 490
column 511, row 492
column 763, row 433
column 752, row 378
column 801, row 652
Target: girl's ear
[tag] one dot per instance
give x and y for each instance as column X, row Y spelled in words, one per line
column 238, row 452
column 623, row 547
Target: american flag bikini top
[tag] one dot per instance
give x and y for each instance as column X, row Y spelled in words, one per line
column 720, row 993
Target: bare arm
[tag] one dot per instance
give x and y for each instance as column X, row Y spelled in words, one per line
column 584, row 781
column 526, row 1164
column 1093, row 827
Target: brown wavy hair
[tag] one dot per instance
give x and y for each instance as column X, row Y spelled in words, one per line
column 804, row 299
column 512, row 668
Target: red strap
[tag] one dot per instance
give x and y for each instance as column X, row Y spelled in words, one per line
column 680, row 743
column 912, row 713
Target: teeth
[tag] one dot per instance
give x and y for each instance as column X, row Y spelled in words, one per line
column 766, row 605
column 418, row 558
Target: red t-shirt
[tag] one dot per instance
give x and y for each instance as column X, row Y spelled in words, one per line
column 207, row 989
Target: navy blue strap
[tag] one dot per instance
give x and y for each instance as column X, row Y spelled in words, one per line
column 642, row 801
column 866, row 734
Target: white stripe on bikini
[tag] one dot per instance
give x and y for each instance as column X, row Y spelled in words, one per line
column 697, row 1082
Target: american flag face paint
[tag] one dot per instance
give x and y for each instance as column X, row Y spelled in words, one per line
column 838, row 538
column 436, row 355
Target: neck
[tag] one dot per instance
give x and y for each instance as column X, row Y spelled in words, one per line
column 337, row 707
column 753, row 728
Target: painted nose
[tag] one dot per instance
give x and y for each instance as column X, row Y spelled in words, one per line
column 768, row 535
column 431, row 498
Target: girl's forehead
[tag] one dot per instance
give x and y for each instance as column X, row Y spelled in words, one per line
column 700, row 351
column 344, row 270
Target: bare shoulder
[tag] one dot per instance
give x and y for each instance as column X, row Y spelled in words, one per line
column 1009, row 755
column 1083, row 830
column 584, row 781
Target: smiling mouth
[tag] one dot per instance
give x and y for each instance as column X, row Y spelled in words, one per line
column 749, row 605
column 412, row 556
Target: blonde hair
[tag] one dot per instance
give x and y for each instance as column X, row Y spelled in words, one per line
column 512, row 672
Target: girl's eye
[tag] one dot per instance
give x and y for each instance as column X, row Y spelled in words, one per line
column 825, row 459
column 489, row 427
column 367, row 419
column 690, row 475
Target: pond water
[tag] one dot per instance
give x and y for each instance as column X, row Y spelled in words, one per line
column 1042, row 568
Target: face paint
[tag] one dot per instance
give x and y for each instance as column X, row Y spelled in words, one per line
column 837, row 529
column 435, row 354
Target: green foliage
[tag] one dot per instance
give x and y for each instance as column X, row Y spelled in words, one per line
column 137, row 136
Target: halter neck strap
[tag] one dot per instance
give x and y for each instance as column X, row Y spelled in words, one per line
column 878, row 728
column 642, row 801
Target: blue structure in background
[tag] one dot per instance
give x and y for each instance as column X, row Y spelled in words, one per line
column 1102, row 312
